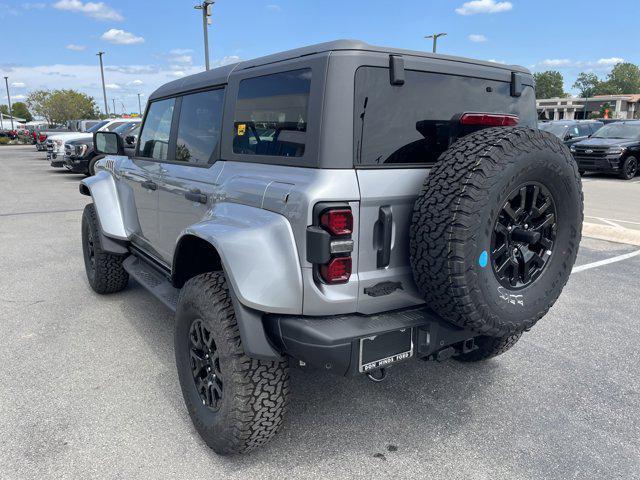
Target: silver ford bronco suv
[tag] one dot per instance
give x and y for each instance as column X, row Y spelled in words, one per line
column 342, row 207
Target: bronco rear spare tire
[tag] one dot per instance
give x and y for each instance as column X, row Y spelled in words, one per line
column 496, row 228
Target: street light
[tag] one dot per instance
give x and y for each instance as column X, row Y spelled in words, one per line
column 114, row 106
column 104, row 90
column 206, row 6
column 6, row 81
column 139, row 105
column 435, row 39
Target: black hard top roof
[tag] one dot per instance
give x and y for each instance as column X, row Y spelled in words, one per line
column 220, row 75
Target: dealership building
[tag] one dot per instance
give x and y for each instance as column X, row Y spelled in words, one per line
column 622, row 106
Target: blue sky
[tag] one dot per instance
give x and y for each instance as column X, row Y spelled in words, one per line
column 52, row 44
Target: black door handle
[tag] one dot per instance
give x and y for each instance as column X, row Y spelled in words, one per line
column 384, row 227
column 196, row 196
column 149, row 185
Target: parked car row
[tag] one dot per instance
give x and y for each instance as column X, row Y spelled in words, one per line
column 611, row 147
column 74, row 151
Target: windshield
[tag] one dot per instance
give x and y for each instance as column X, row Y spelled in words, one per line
column 125, row 128
column 553, row 128
column 619, row 130
column 96, row 127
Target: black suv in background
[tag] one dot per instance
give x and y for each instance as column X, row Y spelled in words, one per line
column 571, row 131
column 80, row 156
column 615, row 148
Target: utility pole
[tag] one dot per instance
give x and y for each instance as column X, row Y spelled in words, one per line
column 104, row 90
column 139, row 105
column 435, row 39
column 6, row 81
column 114, row 106
column 206, row 6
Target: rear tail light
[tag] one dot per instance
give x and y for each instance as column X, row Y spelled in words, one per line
column 338, row 270
column 338, row 222
column 489, row 120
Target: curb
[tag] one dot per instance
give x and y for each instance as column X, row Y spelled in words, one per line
column 612, row 234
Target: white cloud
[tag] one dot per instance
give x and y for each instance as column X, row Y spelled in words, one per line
column 483, row 6
column 497, row 61
column 75, row 48
column 556, row 62
column 112, row 86
column 18, row 84
column 178, row 73
column 476, row 37
column 180, row 56
column 120, row 37
column 610, row 61
column 274, row 8
column 18, row 97
column 137, row 82
column 97, row 10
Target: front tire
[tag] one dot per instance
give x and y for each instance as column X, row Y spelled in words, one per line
column 104, row 270
column 629, row 168
column 236, row 403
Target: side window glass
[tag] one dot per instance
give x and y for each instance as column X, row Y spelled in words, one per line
column 114, row 125
column 199, row 126
column 271, row 114
column 154, row 139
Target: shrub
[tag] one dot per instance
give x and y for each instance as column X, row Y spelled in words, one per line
column 4, row 140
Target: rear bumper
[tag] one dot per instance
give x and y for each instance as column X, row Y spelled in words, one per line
column 333, row 343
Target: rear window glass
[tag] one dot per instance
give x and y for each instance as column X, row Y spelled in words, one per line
column 412, row 123
column 199, row 126
column 271, row 114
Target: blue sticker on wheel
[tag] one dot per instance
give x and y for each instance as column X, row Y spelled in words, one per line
column 483, row 259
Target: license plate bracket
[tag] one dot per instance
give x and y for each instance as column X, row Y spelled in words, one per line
column 381, row 350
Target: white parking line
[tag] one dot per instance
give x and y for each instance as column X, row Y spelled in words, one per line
column 600, row 263
column 607, row 220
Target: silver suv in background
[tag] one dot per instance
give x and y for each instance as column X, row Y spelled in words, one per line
column 342, row 207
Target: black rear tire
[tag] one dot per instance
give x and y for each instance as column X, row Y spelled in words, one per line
column 461, row 215
column 489, row 347
column 236, row 403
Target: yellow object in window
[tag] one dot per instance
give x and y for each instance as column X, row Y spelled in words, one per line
column 242, row 128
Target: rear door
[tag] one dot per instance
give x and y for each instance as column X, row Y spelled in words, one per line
column 400, row 131
column 189, row 173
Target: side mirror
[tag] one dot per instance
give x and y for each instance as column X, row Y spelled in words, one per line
column 108, row 143
column 568, row 136
column 131, row 140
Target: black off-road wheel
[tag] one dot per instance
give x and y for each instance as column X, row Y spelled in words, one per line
column 236, row 403
column 91, row 169
column 489, row 347
column 496, row 228
column 629, row 168
column 104, row 270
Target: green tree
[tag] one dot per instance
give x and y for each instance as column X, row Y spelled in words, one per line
column 4, row 109
column 20, row 110
column 587, row 84
column 549, row 84
column 60, row 106
column 624, row 78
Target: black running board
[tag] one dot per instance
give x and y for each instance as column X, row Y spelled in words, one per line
column 153, row 280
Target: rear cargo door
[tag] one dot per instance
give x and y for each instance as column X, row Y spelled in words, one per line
column 399, row 133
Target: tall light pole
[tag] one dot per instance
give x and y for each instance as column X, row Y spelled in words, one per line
column 139, row 105
column 6, row 81
column 435, row 39
column 104, row 89
column 206, row 6
column 114, row 106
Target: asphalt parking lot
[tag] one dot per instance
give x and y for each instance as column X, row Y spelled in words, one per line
column 88, row 387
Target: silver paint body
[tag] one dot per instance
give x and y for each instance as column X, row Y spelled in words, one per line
column 257, row 212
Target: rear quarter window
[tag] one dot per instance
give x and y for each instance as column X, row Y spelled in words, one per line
column 412, row 123
column 271, row 114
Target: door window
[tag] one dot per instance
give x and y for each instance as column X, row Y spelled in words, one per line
column 154, row 140
column 583, row 130
column 271, row 114
column 199, row 126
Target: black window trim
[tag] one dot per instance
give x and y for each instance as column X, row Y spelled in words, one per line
column 173, row 134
